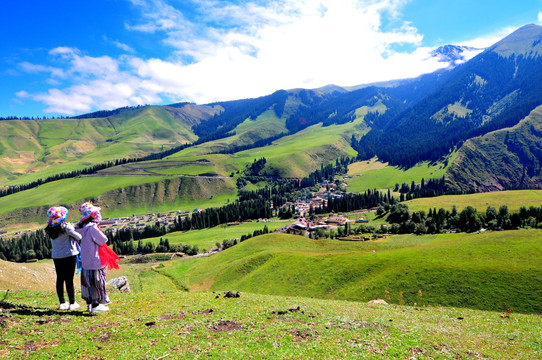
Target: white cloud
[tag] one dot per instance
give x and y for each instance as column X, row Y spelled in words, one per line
column 34, row 68
column 97, row 83
column 234, row 51
column 119, row 44
column 292, row 44
column 540, row 16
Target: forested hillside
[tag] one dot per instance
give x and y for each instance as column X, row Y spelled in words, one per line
column 494, row 90
column 509, row 158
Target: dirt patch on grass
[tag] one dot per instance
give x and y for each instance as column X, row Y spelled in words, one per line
column 202, row 312
column 302, row 335
column 24, row 158
column 32, row 346
column 4, row 320
column 225, row 326
column 104, row 337
column 82, row 147
column 203, row 285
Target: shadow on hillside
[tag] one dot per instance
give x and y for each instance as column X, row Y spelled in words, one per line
column 7, row 307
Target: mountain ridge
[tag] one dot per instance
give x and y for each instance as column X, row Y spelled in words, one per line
column 402, row 122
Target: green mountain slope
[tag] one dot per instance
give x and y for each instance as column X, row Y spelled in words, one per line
column 496, row 89
column 33, row 149
column 462, row 270
column 118, row 196
column 506, row 158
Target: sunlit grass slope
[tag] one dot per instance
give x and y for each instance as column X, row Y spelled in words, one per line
column 292, row 156
column 492, row 271
column 120, row 195
column 373, row 174
column 33, row 149
column 181, row 325
column 207, row 238
column 514, row 199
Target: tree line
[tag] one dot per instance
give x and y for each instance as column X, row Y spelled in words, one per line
column 468, row 220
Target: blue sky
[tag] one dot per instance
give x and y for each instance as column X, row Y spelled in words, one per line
column 73, row 57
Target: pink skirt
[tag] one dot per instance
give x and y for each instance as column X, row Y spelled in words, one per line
column 93, row 286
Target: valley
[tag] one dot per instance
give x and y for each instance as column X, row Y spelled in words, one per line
column 424, row 193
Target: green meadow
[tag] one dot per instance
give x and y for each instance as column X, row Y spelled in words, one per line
column 489, row 271
column 207, row 238
column 514, row 199
column 34, row 150
column 69, row 191
column 121, row 195
column 451, row 296
column 372, row 174
column 162, row 324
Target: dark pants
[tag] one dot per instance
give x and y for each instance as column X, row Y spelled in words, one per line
column 65, row 269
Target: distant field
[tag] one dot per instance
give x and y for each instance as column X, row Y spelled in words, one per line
column 207, row 238
column 54, row 146
column 513, row 199
column 372, row 174
column 122, row 195
column 68, row 191
column 462, row 270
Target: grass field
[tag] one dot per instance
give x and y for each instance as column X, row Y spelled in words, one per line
column 207, row 238
column 513, row 199
column 372, row 174
column 36, row 149
column 158, row 324
column 120, row 195
column 69, row 191
column 490, row 271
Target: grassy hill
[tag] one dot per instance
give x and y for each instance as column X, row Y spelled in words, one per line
column 490, row 271
column 373, row 174
column 165, row 324
column 506, row 158
column 32, row 149
column 30, row 276
column 207, row 238
column 119, row 195
column 514, row 199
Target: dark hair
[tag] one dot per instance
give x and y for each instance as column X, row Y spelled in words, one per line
column 54, row 231
column 84, row 222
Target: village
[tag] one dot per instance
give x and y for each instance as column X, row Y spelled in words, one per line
column 304, row 222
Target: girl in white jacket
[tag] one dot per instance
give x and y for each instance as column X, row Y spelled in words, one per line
column 64, row 250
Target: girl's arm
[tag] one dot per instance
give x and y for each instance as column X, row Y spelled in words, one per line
column 68, row 228
column 97, row 235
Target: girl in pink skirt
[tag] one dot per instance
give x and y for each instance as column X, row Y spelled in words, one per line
column 93, row 274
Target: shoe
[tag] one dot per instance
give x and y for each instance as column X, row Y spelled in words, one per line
column 106, row 301
column 99, row 308
column 74, row 306
column 64, row 306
